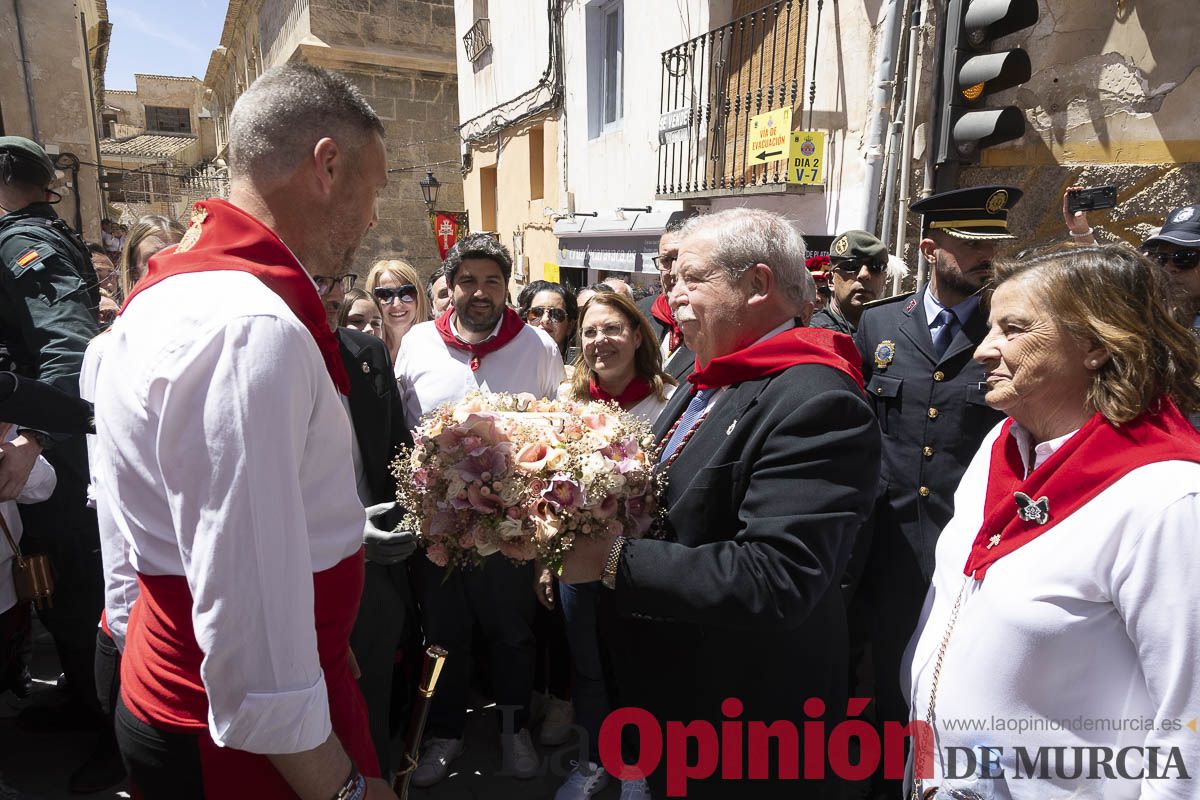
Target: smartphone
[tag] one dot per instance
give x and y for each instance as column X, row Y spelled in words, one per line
column 1092, row 199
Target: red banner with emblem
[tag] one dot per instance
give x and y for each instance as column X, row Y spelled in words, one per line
column 448, row 228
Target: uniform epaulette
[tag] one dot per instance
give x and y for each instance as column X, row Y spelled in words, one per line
column 894, row 298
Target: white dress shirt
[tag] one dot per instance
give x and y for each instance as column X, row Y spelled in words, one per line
column 38, row 487
column 1095, row 623
column 223, row 454
column 430, row 372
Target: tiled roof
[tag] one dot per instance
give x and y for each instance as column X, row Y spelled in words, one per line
column 146, row 145
column 167, row 77
column 120, row 91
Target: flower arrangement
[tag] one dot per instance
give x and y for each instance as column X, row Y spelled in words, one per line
column 512, row 474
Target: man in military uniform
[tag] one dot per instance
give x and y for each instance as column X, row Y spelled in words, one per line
column 48, row 300
column 928, row 395
column 858, row 262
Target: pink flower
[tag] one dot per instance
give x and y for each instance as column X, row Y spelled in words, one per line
column 484, row 461
column 538, row 457
column 519, row 549
column 564, row 493
column 483, row 499
column 600, row 422
column 437, row 554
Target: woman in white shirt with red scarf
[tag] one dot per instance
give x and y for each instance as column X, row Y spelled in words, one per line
column 1059, row 648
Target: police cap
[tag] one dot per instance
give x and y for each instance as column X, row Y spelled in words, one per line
column 25, row 160
column 980, row 212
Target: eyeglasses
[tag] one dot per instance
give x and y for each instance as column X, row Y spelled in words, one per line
column 613, row 330
column 405, row 294
column 664, row 262
column 325, row 283
column 537, row 312
column 852, row 266
column 1182, row 259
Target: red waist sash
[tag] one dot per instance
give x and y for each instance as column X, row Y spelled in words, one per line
column 160, row 677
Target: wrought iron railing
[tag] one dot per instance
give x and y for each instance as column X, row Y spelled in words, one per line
column 478, row 39
column 713, row 85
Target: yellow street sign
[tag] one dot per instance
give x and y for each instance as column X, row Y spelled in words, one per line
column 550, row 271
column 806, row 158
column 768, row 138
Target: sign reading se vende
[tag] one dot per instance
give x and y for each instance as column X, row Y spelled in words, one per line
column 769, row 136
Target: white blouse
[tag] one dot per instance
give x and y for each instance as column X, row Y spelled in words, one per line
column 223, row 455
column 1087, row 636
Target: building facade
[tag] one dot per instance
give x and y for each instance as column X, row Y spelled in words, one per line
column 400, row 54
column 52, row 59
column 159, row 148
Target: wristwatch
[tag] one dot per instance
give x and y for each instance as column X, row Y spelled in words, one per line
column 609, row 576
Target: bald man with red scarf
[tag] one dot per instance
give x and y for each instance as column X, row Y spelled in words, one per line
column 770, row 460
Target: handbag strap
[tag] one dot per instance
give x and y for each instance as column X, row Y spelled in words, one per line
column 11, row 542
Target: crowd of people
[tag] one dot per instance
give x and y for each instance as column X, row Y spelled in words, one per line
column 969, row 502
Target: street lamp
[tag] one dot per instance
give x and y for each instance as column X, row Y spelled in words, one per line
column 429, row 189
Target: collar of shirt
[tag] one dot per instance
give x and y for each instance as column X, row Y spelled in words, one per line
column 787, row 325
column 1033, row 455
column 962, row 311
column 454, row 327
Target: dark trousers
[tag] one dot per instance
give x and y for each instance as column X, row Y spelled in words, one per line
column 581, row 606
column 498, row 594
column 108, row 673
column 378, row 633
column 161, row 764
column 65, row 529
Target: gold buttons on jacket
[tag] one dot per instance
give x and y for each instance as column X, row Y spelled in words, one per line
column 927, row 451
column 939, row 376
column 933, row 412
column 878, row 390
column 923, row 491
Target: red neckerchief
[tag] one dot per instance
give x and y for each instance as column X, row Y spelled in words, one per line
column 782, row 351
column 638, row 390
column 509, row 328
column 1098, row 455
column 222, row 238
column 661, row 311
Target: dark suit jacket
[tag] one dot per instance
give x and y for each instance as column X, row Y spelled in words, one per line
column 375, row 408
column 763, row 504
column 933, row 417
column 682, row 361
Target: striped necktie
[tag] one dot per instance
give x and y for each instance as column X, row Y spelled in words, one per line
column 687, row 421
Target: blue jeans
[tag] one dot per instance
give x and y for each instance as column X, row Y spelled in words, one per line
column 590, row 696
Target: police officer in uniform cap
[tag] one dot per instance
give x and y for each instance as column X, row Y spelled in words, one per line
column 858, row 262
column 928, row 395
column 48, row 301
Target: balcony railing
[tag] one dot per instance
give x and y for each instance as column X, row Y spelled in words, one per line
column 711, row 87
column 478, row 39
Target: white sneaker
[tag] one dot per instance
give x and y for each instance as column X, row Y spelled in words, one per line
column 518, row 755
column 635, row 790
column 436, row 757
column 582, row 782
column 556, row 726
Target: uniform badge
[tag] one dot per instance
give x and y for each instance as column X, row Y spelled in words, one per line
column 885, row 351
column 366, row 368
column 729, row 430
column 996, row 203
column 1183, row 214
column 192, row 235
column 27, row 258
column 841, row 246
column 911, row 305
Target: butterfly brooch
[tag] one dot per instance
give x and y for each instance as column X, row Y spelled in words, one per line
column 1030, row 510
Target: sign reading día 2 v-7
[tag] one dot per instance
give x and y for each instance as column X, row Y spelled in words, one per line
column 768, row 138
column 806, row 160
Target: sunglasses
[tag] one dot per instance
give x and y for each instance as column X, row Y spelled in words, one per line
column 1182, row 259
column 852, row 267
column 325, row 283
column 537, row 312
column 405, row 294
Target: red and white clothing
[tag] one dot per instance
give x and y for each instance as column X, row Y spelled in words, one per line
column 223, row 457
column 1093, row 624
column 430, row 372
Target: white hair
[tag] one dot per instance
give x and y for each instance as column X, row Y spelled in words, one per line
column 743, row 237
column 278, row 120
column 896, row 268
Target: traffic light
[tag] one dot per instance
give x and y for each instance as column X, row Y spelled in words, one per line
column 970, row 73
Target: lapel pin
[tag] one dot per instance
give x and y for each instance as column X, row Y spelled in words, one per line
column 1031, row 510
column 729, row 430
column 366, row 368
column 993, row 540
